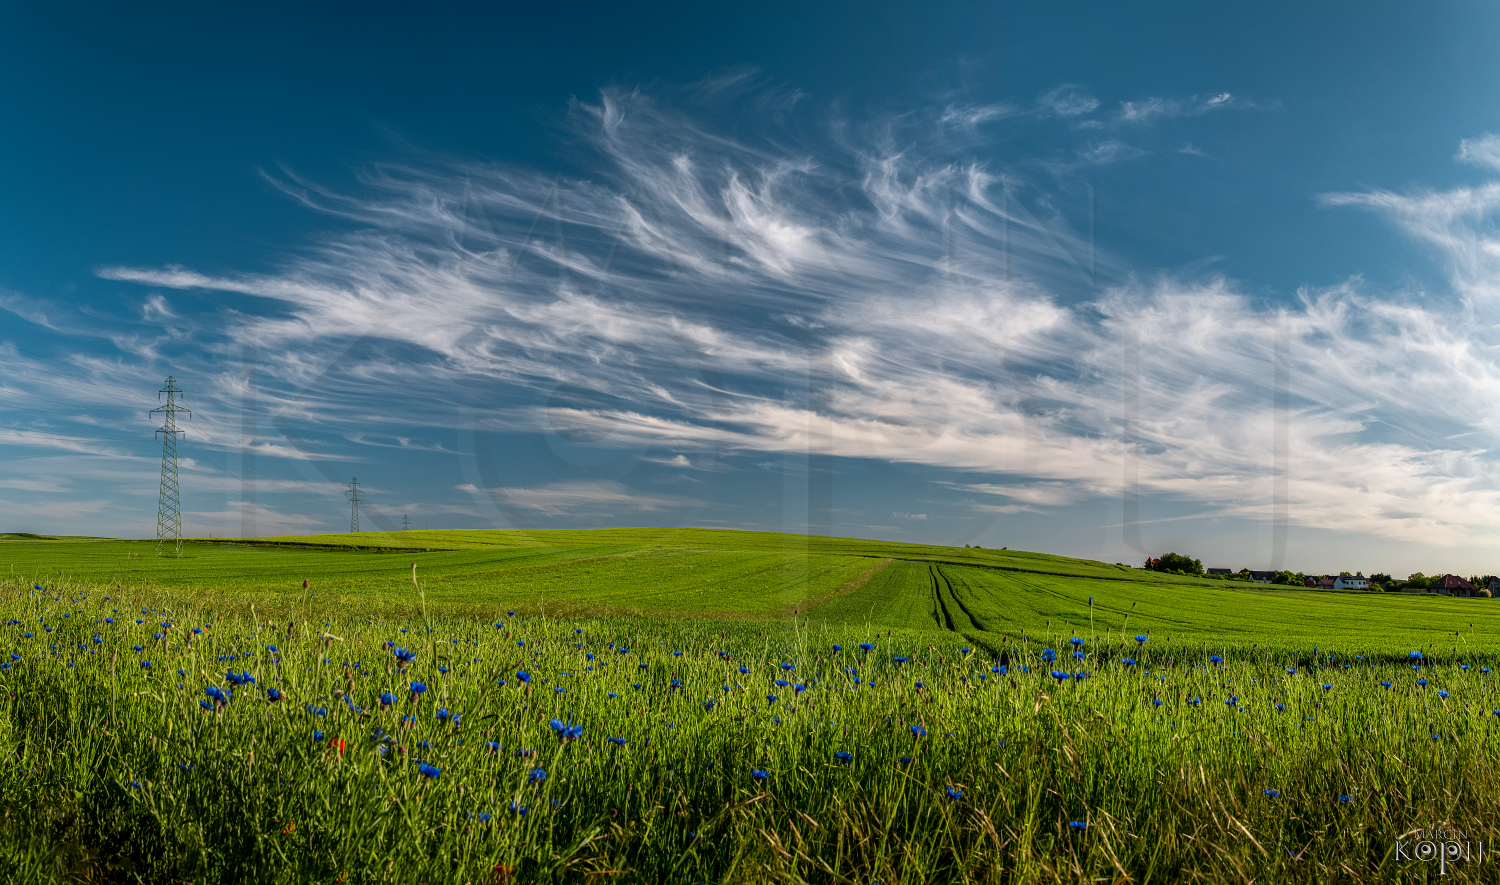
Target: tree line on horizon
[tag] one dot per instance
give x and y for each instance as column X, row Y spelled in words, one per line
column 1178, row 564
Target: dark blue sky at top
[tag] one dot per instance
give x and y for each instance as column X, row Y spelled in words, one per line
column 143, row 139
column 135, row 137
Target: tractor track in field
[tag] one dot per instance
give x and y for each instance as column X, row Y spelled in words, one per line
column 968, row 626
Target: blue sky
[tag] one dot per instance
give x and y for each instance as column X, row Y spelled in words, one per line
column 1088, row 280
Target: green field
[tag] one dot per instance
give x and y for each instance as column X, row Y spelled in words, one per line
column 752, row 708
column 988, row 597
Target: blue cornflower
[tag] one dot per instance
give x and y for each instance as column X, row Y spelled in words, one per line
column 523, row 676
column 1129, row 662
column 1327, row 687
column 1281, row 708
column 955, row 794
column 317, row 736
column 566, row 732
column 865, row 646
column 1272, row 793
column 219, row 695
column 843, row 755
column 535, row 775
column 1156, row 702
column 1141, row 637
column 417, row 688
column 386, row 699
column 1078, row 825
column 1443, row 695
column 273, row 694
column 1048, row 655
column 770, row 698
column 837, row 648
column 918, row 731
column 1076, row 640
column 619, row 742
column 429, row 771
column 759, row 774
column 1415, row 656
column 1291, row 671
column 1061, row 676
column 1216, row 659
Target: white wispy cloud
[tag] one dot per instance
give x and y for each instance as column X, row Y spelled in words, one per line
column 1157, row 107
column 1068, row 101
column 1481, row 151
column 581, row 498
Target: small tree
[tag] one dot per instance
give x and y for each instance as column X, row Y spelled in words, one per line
column 1287, row 579
column 1174, row 562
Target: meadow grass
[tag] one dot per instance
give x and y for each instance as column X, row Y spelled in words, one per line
column 1266, row 752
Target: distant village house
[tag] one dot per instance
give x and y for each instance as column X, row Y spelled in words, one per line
column 1452, row 585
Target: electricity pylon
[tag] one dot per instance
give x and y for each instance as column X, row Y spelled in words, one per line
column 353, row 494
column 168, row 510
column 405, row 523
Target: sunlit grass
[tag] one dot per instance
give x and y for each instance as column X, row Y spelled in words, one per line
column 1279, row 763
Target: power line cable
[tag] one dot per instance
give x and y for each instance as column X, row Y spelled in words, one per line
column 276, row 497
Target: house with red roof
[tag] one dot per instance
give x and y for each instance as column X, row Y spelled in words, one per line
column 1452, row 585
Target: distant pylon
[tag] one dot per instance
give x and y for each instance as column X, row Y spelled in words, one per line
column 405, row 523
column 168, row 510
column 353, row 494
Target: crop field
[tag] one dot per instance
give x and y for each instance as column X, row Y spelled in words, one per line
column 654, row 712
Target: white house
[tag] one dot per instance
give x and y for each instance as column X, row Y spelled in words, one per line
column 1345, row 582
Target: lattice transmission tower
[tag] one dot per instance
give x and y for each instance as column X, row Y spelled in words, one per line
column 353, row 494
column 405, row 523
column 168, row 510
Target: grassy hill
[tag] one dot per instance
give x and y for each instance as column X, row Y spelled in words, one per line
column 989, row 597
